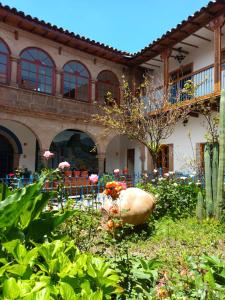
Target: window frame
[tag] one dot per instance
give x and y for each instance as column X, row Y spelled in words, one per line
column 76, row 76
column 8, row 63
column 37, row 66
column 106, row 82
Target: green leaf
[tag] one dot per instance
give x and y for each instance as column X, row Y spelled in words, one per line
column 4, row 191
column 19, row 206
column 67, row 291
column 90, row 270
column 40, row 227
column 11, row 289
column 208, row 277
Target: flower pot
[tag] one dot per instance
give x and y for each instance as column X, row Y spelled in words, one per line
column 84, row 174
column 76, row 173
column 68, row 173
column 125, row 171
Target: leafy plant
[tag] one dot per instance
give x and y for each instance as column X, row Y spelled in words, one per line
column 22, row 213
column 55, row 270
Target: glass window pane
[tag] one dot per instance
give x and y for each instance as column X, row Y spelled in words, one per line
column 3, row 47
column 3, row 59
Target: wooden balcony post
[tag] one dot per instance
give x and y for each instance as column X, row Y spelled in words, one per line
column 165, row 55
column 216, row 25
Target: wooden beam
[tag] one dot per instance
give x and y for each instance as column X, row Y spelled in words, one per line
column 152, row 65
column 180, row 50
column 165, row 55
column 208, row 28
column 189, row 44
column 216, row 25
column 201, row 37
column 156, row 59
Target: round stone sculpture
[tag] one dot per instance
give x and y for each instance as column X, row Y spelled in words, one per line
column 133, row 206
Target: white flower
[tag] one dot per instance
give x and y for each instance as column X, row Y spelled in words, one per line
column 153, row 180
column 166, row 174
column 194, row 172
column 155, row 171
column 198, row 183
column 183, row 178
column 171, row 172
column 161, row 178
column 175, row 184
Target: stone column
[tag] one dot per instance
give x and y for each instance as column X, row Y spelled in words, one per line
column 142, row 157
column 93, row 91
column 165, row 55
column 101, row 162
column 14, row 70
column 216, row 25
column 58, row 82
column 16, row 160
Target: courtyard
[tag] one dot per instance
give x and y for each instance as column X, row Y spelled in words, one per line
column 112, row 162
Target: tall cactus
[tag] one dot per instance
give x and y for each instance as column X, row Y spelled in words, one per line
column 220, row 183
column 215, row 162
column 208, row 180
column 200, row 207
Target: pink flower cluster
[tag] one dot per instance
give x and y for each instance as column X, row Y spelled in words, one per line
column 64, row 165
column 116, row 171
column 93, row 178
column 48, row 154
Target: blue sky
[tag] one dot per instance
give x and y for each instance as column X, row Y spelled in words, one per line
column 128, row 25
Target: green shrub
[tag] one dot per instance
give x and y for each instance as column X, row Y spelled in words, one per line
column 174, row 198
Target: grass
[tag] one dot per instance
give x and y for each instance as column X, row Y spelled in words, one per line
column 172, row 241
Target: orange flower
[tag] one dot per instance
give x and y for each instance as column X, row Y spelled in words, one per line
column 110, row 224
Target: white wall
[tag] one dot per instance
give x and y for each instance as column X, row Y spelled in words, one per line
column 116, row 154
column 28, row 143
column 184, row 140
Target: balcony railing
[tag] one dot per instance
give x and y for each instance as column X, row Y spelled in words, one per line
column 223, row 76
column 203, row 81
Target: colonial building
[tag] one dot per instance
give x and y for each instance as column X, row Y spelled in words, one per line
column 51, row 80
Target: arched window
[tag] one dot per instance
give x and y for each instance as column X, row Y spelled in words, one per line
column 76, row 81
column 107, row 82
column 4, row 62
column 37, row 71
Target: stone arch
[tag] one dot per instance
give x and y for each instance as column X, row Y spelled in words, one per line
column 24, row 140
column 77, row 147
column 12, row 138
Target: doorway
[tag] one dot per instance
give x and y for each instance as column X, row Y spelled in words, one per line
column 130, row 160
column 6, row 157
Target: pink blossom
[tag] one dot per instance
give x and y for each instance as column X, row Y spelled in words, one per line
column 64, row 165
column 93, row 178
column 48, row 154
column 11, row 174
column 116, row 171
column 123, row 185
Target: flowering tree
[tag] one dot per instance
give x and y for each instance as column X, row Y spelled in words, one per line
column 146, row 115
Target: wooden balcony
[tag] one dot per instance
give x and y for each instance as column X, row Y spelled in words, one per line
column 203, row 81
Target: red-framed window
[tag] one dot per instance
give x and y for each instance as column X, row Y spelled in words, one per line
column 37, row 71
column 107, row 82
column 76, row 81
column 4, row 62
